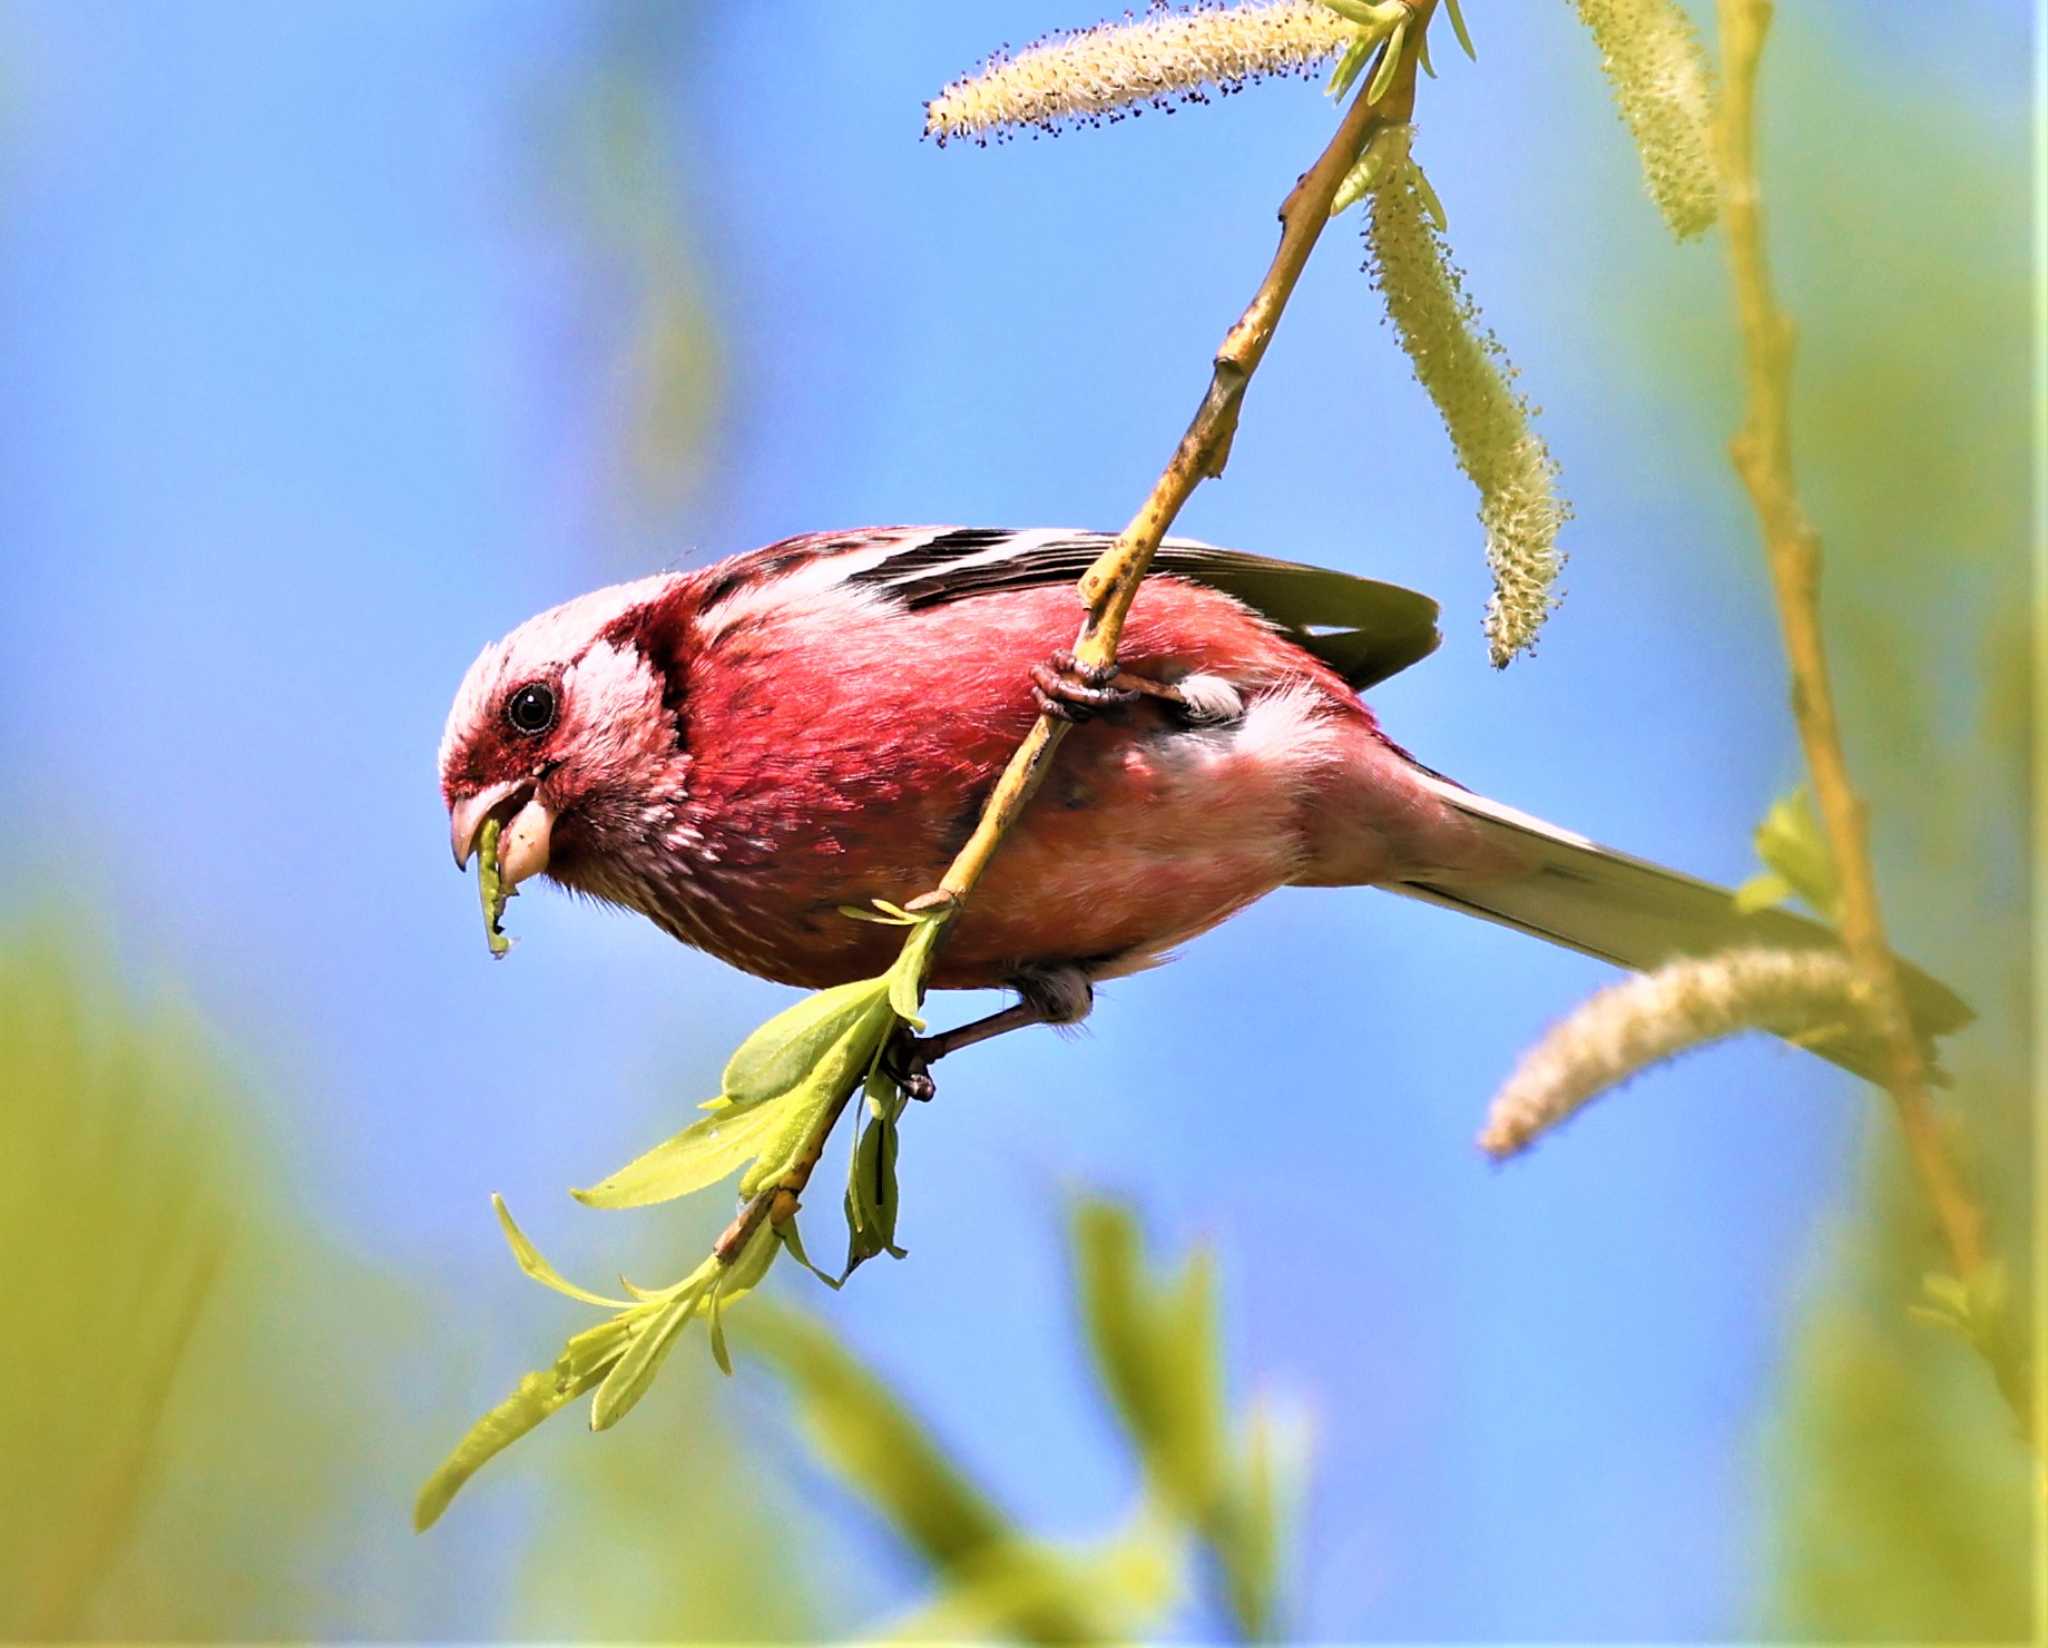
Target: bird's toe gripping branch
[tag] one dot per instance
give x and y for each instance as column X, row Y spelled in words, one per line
column 907, row 1061
column 1070, row 690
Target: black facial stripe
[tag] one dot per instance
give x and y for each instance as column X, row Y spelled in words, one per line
column 654, row 634
column 724, row 586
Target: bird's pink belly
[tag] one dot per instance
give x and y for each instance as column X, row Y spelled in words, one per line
column 1141, row 837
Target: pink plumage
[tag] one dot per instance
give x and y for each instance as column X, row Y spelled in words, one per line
column 739, row 752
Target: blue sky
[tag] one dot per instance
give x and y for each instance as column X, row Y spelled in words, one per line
column 311, row 395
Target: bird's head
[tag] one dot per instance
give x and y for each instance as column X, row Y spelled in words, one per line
column 567, row 731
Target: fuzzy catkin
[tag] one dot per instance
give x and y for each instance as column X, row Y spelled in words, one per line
column 1645, row 1020
column 1468, row 375
column 1158, row 57
column 1664, row 89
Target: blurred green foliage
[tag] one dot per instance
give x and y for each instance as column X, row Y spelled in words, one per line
column 174, row 1388
column 1222, row 1492
column 615, row 157
column 1905, row 1503
column 192, row 1397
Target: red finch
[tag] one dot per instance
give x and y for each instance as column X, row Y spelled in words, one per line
column 739, row 753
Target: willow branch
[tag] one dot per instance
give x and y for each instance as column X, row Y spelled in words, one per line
column 1762, row 452
column 1111, row 584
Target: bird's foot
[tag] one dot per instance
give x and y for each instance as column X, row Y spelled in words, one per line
column 907, row 1061
column 1069, row 690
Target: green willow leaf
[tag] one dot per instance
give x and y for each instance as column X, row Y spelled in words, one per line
column 700, row 1155
column 781, row 1054
column 1763, row 892
column 529, row 1259
column 1187, row 1369
column 740, row 1279
column 871, row 1200
column 597, row 1346
column 656, row 1333
column 1109, row 1277
column 714, row 1316
column 792, row 1239
column 535, row 1399
column 1383, row 77
column 581, row 1365
column 1458, row 28
column 863, row 1433
column 1790, row 843
column 1158, row 1350
column 1348, row 66
column 906, row 977
column 835, row 1069
column 752, row 1263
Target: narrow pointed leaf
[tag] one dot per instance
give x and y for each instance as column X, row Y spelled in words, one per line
column 1763, row 892
column 871, row 1201
column 1790, row 843
column 1458, row 28
column 536, row 1397
column 597, row 1346
column 1187, row 1370
column 1109, row 1274
column 700, row 1155
column 792, row 1239
column 630, row 1376
column 1252, row 1529
column 1347, row 68
column 1432, row 202
column 862, row 1432
column 719, row 1353
column 530, row 1260
column 1383, row 76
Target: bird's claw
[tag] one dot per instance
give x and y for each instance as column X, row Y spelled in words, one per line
column 1068, row 690
column 907, row 1062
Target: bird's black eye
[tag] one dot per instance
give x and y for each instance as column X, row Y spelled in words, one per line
column 531, row 710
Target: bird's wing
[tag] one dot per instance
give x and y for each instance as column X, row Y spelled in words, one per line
column 1363, row 629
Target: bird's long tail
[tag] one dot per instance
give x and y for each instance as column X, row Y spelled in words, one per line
column 1636, row 914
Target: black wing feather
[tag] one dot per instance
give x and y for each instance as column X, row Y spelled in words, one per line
column 1363, row 629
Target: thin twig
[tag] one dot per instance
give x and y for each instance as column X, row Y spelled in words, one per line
column 1111, row 584
column 1762, row 451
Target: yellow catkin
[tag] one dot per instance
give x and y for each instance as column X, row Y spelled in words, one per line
column 1467, row 374
column 1158, row 58
column 1662, row 84
column 1643, row 1021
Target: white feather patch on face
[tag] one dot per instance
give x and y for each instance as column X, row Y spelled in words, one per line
column 543, row 646
column 612, row 724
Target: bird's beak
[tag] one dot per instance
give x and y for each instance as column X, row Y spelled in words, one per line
column 523, row 843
